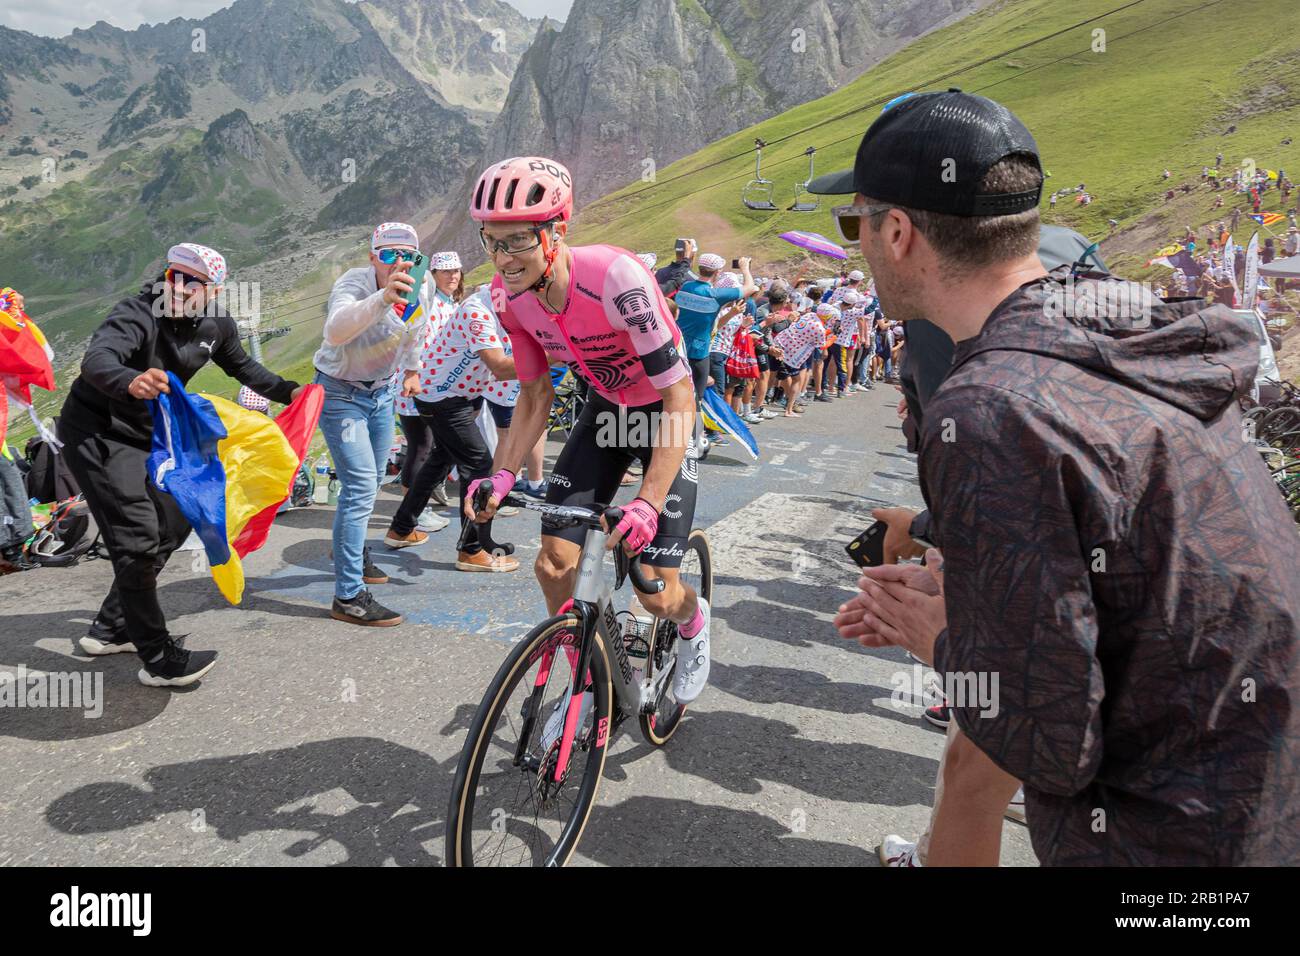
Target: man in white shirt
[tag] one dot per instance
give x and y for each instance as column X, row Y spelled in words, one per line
column 368, row 336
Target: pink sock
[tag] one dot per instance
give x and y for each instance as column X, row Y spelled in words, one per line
column 693, row 626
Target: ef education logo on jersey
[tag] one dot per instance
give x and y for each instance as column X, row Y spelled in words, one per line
column 77, row 909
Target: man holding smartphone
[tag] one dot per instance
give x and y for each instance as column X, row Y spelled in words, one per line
column 671, row 276
column 368, row 336
column 699, row 301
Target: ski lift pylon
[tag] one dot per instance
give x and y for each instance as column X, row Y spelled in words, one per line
column 802, row 202
column 757, row 193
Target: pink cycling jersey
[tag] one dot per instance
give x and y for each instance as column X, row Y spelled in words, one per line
column 615, row 331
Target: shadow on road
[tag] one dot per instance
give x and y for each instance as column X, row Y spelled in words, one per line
column 658, row 831
column 739, row 751
column 402, row 794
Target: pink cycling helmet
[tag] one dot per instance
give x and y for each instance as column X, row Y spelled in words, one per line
column 523, row 189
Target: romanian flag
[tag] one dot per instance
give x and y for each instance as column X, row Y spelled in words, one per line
column 226, row 467
column 24, row 361
column 1268, row 218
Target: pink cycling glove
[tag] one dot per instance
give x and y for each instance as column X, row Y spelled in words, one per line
column 639, row 525
column 503, row 482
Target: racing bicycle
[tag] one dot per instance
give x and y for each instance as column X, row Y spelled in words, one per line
column 532, row 761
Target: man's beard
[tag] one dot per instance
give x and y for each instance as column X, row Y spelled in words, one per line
column 896, row 301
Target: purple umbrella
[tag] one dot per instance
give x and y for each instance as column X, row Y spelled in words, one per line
column 814, row 243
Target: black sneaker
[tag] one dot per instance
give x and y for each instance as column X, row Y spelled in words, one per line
column 365, row 610
column 940, row 715
column 821, row 397
column 177, row 667
column 100, row 641
column 369, row 573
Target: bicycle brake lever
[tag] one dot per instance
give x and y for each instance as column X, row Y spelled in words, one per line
column 622, row 564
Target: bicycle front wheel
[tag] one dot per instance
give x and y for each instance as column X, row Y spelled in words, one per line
column 518, row 798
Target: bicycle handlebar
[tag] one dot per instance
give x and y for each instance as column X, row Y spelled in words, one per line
column 576, row 515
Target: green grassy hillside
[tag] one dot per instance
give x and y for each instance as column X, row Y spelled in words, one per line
column 1174, row 76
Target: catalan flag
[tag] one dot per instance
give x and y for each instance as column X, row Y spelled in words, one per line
column 1267, row 218
column 226, row 466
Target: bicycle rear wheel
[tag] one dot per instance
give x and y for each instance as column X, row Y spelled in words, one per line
column 697, row 571
column 507, row 808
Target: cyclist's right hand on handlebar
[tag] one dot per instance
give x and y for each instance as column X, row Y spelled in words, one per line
column 502, row 483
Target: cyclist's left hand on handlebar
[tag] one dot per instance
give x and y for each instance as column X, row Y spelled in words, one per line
column 638, row 528
column 503, row 482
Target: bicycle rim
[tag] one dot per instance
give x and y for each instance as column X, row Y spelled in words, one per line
column 506, row 807
column 697, row 571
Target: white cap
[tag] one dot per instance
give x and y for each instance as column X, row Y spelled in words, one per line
column 393, row 234
column 201, row 259
column 711, row 261
column 445, row 260
column 728, row 280
column 856, row 276
column 826, row 310
column 851, row 298
column 648, row 259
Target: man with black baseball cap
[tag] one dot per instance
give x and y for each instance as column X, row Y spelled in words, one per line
column 1112, row 552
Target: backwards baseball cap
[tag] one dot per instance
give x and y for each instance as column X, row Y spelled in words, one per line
column 856, row 275
column 201, row 259
column 931, row 151
column 393, row 234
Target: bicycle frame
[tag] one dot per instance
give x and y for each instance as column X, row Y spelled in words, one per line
column 635, row 689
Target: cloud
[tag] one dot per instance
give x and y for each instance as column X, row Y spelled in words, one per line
column 58, row 18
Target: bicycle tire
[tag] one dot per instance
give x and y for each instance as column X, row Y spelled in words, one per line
column 658, row 727
column 459, row 848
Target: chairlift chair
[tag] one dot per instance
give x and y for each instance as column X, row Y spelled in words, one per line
column 757, row 193
column 802, row 202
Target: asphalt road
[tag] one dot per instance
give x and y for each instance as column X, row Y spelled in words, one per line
column 322, row 743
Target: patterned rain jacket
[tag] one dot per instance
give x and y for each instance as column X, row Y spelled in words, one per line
column 1118, row 556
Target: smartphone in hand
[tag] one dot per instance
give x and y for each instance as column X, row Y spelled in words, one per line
column 868, row 549
column 419, row 269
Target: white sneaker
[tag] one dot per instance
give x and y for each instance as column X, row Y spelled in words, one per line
column 555, row 723
column 509, row 511
column 768, row 413
column 1016, row 808
column 430, row 520
column 753, row 418
column 896, row 851
column 693, row 661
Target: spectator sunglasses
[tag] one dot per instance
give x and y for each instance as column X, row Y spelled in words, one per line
column 184, row 280
column 389, row 256
column 848, row 219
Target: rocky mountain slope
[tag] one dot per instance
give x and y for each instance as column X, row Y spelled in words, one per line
column 626, row 87
column 262, row 123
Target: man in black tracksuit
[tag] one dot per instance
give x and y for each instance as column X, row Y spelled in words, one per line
column 106, row 426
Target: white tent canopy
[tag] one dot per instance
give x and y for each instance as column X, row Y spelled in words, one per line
column 1282, row 268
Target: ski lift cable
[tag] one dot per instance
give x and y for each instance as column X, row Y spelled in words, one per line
column 641, row 210
column 885, row 99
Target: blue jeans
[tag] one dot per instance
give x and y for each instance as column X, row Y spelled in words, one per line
column 718, row 369
column 358, row 428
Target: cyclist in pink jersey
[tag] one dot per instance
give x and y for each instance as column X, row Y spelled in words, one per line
column 597, row 310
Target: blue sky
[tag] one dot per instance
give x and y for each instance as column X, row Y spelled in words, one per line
column 58, row 18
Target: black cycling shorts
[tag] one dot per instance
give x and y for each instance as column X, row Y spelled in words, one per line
column 587, row 474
